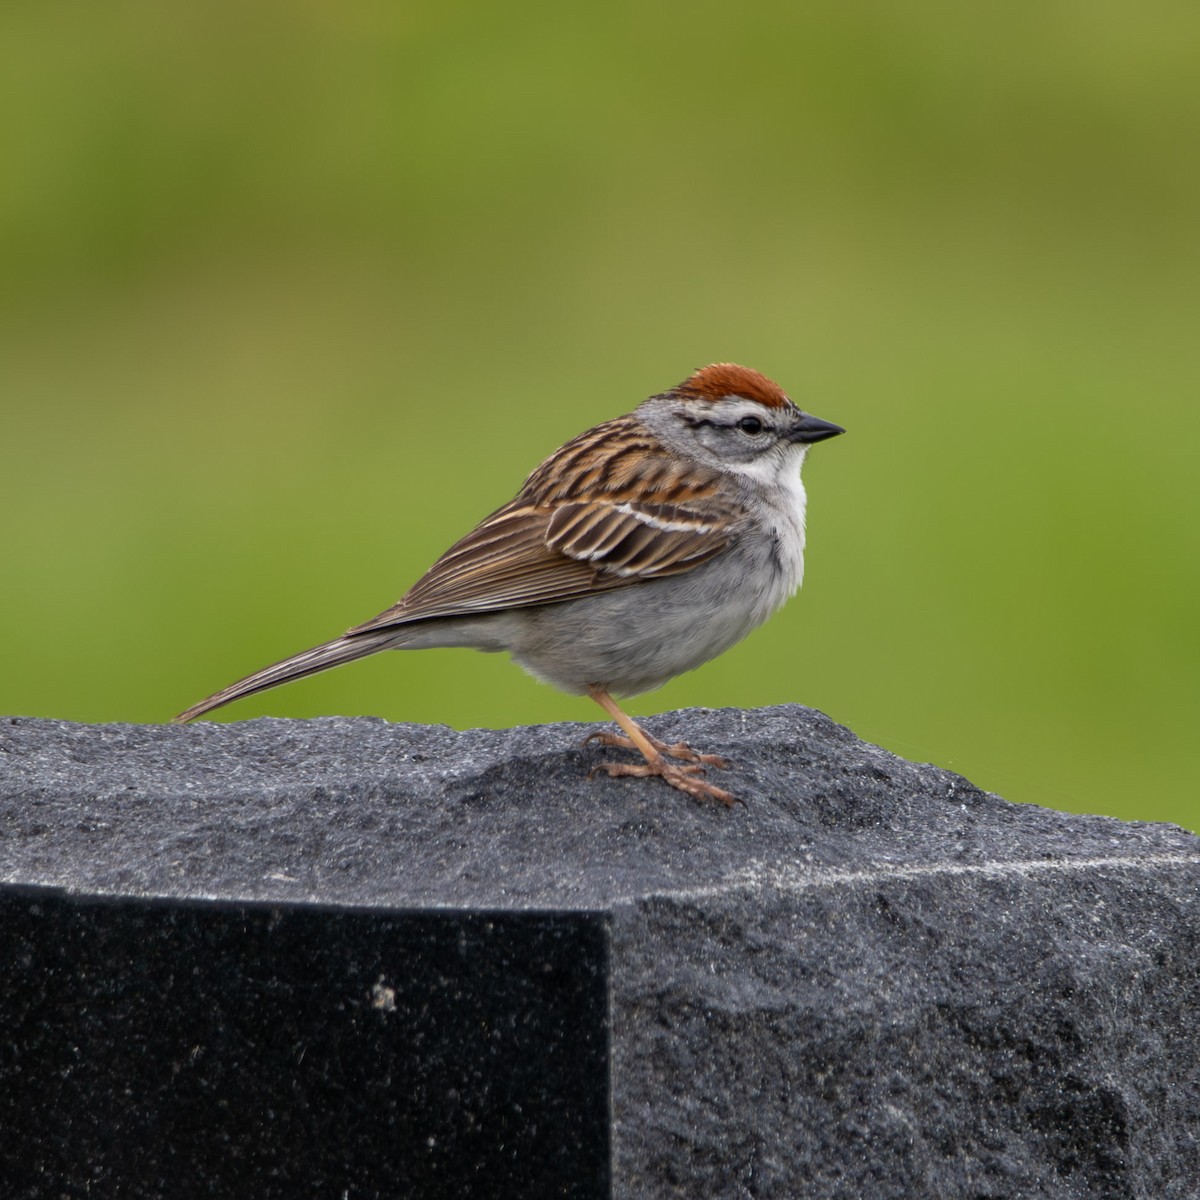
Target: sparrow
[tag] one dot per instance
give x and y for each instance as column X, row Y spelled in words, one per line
column 637, row 551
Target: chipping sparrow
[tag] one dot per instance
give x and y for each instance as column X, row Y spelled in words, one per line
column 639, row 550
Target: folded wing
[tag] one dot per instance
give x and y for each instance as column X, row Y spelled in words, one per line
column 572, row 533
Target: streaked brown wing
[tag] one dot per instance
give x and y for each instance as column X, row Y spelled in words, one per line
column 551, row 544
column 638, row 541
column 502, row 563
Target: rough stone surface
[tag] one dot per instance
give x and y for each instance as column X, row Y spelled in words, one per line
column 869, row 980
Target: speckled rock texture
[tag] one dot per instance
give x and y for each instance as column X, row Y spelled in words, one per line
column 348, row 958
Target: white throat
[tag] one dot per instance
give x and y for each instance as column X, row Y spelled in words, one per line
column 777, row 492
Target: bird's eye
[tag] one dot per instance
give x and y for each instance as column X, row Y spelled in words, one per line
column 750, row 425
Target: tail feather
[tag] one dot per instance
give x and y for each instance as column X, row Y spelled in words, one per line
column 319, row 658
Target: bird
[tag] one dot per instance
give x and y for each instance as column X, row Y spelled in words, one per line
column 637, row 551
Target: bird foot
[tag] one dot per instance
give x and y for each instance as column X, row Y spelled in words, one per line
column 686, row 779
column 680, row 750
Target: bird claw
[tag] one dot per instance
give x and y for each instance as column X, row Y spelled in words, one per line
column 683, row 751
column 685, row 778
column 680, row 750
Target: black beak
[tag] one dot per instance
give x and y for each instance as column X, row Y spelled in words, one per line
column 812, row 429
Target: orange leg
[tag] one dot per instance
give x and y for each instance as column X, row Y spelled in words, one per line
column 653, row 751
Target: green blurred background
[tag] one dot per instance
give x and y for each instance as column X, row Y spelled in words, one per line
column 292, row 294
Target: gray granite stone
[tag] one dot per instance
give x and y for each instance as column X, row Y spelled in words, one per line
column 870, row 979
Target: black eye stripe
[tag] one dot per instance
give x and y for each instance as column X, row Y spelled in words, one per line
column 750, row 425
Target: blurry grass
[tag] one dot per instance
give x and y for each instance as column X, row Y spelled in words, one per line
column 293, row 295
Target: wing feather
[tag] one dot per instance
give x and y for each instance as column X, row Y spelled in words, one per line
column 579, row 526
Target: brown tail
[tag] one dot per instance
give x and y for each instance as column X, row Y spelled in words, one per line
column 319, row 658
